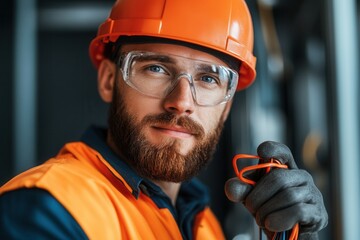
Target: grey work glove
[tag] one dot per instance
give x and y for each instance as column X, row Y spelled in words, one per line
column 282, row 197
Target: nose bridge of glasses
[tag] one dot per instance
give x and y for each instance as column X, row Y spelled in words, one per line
column 179, row 83
column 186, row 75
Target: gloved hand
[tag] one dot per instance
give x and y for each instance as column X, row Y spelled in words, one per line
column 282, row 197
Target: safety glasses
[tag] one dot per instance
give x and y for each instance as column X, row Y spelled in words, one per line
column 157, row 74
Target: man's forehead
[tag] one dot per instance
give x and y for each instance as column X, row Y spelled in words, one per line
column 175, row 50
column 226, row 60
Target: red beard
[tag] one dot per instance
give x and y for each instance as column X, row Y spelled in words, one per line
column 161, row 163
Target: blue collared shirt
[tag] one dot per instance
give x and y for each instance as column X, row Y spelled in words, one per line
column 35, row 214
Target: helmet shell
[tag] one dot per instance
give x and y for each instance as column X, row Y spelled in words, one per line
column 225, row 26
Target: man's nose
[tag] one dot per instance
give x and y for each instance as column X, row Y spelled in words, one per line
column 180, row 100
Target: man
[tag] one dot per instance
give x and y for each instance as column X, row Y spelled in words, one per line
column 169, row 70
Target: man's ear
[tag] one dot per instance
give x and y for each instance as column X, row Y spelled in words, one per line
column 106, row 80
column 226, row 111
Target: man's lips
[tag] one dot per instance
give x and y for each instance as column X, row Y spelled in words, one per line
column 175, row 131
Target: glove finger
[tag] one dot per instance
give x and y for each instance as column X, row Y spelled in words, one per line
column 276, row 222
column 279, row 151
column 282, row 200
column 236, row 190
column 307, row 215
column 272, row 183
column 309, row 236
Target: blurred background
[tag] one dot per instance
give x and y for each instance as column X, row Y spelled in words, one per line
column 306, row 95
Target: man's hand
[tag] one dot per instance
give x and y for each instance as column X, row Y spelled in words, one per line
column 282, row 197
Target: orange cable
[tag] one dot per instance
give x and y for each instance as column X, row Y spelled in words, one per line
column 273, row 163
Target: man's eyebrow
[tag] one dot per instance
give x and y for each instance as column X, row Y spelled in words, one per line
column 207, row 68
column 157, row 58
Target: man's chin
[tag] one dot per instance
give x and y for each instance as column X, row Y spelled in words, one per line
column 182, row 148
column 179, row 145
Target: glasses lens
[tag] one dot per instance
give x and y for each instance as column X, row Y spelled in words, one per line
column 213, row 84
column 157, row 75
column 151, row 74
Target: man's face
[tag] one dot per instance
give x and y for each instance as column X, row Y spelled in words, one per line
column 168, row 139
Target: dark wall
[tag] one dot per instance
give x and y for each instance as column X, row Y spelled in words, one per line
column 68, row 101
column 6, row 88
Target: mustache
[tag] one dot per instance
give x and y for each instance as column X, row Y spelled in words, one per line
column 173, row 119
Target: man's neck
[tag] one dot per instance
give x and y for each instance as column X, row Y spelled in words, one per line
column 171, row 189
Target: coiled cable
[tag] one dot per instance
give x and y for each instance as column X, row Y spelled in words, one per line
column 273, row 163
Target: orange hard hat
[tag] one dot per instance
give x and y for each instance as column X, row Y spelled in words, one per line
column 224, row 26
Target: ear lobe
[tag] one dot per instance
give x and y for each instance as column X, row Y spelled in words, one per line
column 226, row 111
column 106, row 80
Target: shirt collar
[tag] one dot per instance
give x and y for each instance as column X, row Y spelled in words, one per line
column 95, row 137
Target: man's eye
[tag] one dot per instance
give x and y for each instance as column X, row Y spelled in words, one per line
column 156, row 69
column 209, row 79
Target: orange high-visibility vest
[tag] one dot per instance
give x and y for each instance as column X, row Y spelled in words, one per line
column 101, row 202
